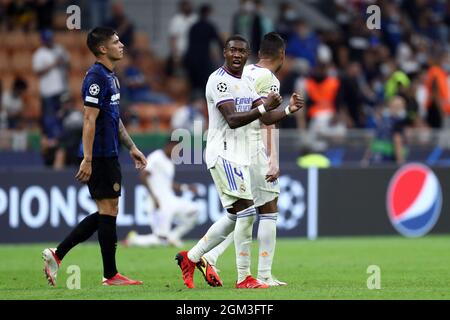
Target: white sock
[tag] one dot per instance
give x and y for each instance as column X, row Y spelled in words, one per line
column 212, row 255
column 267, row 234
column 144, row 240
column 186, row 224
column 243, row 241
column 215, row 235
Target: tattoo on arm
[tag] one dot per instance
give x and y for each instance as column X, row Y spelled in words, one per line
column 125, row 137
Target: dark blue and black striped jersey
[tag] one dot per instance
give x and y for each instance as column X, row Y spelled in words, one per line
column 101, row 90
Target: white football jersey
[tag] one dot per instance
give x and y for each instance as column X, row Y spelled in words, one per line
column 230, row 144
column 162, row 171
column 264, row 81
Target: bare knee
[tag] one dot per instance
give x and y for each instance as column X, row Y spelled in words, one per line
column 269, row 207
column 108, row 206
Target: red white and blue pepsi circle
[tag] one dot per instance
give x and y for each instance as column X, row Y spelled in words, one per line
column 414, row 200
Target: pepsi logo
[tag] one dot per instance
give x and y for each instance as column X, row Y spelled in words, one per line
column 414, row 200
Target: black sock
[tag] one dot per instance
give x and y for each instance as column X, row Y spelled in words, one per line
column 83, row 231
column 107, row 238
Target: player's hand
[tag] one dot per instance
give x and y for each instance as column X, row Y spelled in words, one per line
column 273, row 101
column 273, row 173
column 296, row 102
column 193, row 188
column 140, row 162
column 85, row 171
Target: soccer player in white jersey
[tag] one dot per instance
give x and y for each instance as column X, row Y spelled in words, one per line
column 232, row 104
column 158, row 178
column 264, row 170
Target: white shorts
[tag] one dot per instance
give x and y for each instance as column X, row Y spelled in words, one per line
column 232, row 182
column 262, row 190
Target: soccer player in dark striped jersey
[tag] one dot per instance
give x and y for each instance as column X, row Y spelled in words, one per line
column 103, row 131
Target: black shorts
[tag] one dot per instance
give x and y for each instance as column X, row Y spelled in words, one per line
column 106, row 179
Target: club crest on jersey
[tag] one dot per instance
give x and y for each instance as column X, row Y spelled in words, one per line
column 222, row 87
column 94, row 89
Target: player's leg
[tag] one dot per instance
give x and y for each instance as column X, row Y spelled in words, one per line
column 228, row 194
column 83, row 231
column 105, row 189
column 186, row 216
column 266, row 198
column 53, row 256
column 267, row 234
column 213, row 255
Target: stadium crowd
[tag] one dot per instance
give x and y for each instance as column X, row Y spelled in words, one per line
column 390, row 79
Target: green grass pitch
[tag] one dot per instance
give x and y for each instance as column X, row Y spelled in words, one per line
column 329, row 268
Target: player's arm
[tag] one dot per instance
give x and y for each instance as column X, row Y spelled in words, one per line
column 295, row 103
column 239, row 119
column 143, row 177
column 90, row 116
column 139, row 160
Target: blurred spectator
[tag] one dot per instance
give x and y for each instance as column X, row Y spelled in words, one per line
column 261, row 25
column 303, row 43
column 121, row 24
column 243, row 19
column 351, row 96
column 438, row 95
column 12, row 103
column 50, row 63
column 190, row 115
column 389, row 143
column 286, row 18
column 19, row 14
column 179, row 27
column 69, row 140
column 98, row 10
column 396, row 80
column 137, row 88
column 252, row 23
column 321, row 91
column 199, row 61
column 44, row 13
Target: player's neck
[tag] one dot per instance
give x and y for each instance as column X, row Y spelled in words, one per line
column 110, row 65
column 266, row 63
column 237, row 74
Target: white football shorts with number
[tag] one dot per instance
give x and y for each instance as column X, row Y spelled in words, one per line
column 264, row 81
column 228, row 150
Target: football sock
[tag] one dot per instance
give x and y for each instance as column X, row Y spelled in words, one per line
column 267, row 233
column 212, row 255
column 83, row 231
column 215, row 235
column 107, row 239
column 243, row 240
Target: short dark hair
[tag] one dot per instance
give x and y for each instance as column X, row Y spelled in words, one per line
column 97, row 36
column 236, row 37
column 271, row 45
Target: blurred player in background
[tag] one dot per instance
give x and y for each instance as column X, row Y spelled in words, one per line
column 264, row 165
column 232, row 105
column 103, row 130
column 158, row 179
